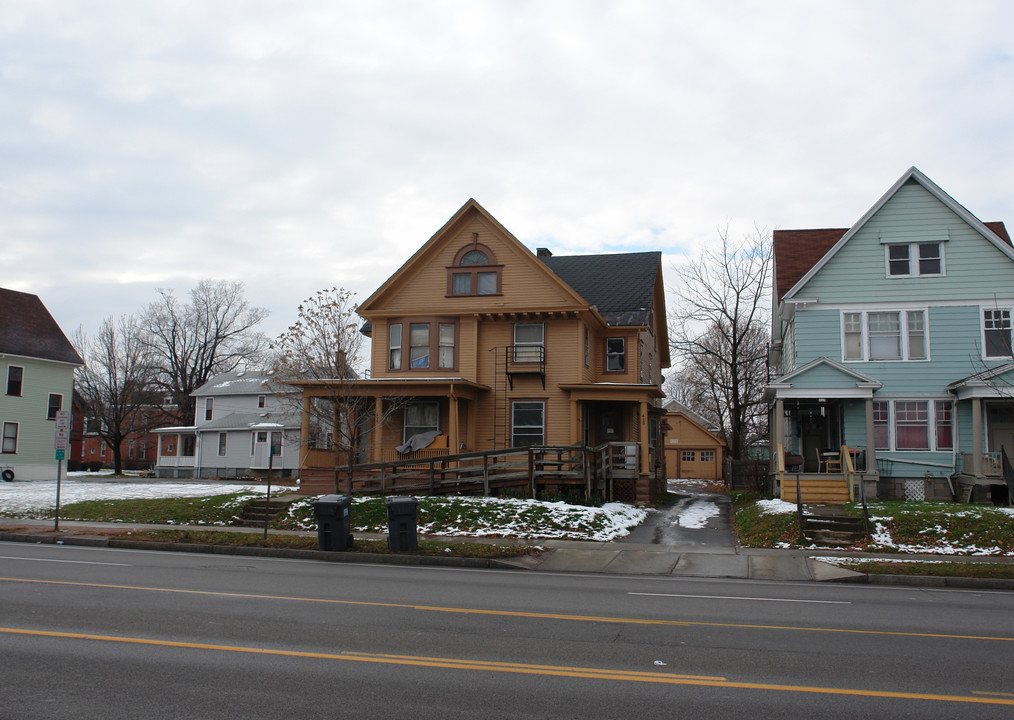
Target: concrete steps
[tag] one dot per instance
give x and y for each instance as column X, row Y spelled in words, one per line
column 833, row 529
column 257, row 512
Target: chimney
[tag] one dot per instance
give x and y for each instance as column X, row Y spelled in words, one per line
column 543, row 252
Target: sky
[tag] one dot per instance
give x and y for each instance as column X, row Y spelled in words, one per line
column 301, row 145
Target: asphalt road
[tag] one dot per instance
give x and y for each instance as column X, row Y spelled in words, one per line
column 102, row 633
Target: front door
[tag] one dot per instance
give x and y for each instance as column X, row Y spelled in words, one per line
column 1001, row 429
column 261, row 448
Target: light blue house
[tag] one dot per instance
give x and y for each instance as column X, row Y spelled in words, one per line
column 893, row 337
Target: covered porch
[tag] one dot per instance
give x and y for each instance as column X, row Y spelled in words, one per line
column 986, row 414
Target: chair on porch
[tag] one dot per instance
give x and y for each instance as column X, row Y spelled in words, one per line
column 832, row 461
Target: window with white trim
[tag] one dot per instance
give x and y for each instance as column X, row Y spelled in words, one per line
column 914, row 259
column 209, row 406
column 926, row 425
column 55, row 405
column 15, row 379
column 222, row 443
column 996, row 333
column 616, row 354
column 884, row 335
column 10, row 439
column 529, row 340
column 394, row 347
column 528, row 423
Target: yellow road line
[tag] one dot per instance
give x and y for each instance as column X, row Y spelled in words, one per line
column 523, row 669
column 515, row 613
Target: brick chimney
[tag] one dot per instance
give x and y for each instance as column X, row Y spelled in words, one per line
column 543, row 252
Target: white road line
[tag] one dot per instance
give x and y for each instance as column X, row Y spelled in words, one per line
column 735, row 597
column 74, row 562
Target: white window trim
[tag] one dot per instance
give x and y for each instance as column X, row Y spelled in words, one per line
column 223, row 444
column 903, row 320
column 892, row 436
column 59, row 395
column 17, row 436
column 913, row 260
column 7, row 380
column 982, row 329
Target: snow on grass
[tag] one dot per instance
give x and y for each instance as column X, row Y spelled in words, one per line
column 775, row 507
column 21, row 498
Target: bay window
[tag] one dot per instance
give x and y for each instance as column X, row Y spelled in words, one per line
column 431, row 344
column 926, row 425
column 419, row 345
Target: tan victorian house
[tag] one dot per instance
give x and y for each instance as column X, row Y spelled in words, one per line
column 486, row 345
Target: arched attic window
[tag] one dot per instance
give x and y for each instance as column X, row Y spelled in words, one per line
column 474, row 272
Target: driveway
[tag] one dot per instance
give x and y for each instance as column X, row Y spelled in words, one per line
column 699, row 519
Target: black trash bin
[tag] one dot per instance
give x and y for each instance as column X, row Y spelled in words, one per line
column 332, row 513
column 401, row 524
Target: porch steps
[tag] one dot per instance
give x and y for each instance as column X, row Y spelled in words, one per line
column 816, row 490
column 257, row 511
column 833, row 529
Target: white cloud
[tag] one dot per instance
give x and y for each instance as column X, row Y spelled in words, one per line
column 299, row 147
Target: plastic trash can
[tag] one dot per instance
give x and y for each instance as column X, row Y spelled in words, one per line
column 332, row 513
column 401, row 524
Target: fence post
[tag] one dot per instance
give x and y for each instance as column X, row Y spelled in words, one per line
column 432, row 463
column 585, row 459
column 485, row 475
column 531, row 469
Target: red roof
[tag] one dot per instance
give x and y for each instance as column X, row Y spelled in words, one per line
column 796, row 251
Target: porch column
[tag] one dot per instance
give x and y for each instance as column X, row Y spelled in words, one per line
column 576, row 431
column 643, row 437
column 778, row 428
column 452, row 425
column 378, row 429
column 977, row 437
column 304, row 431
column 871, row 438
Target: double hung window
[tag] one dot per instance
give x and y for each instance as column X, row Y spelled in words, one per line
column 10, row 438
column 616, row 354
column 15, row 378
column 884, row 335
column 529, row 342
column 419, row 345
column 528, row 423
column 394, row 347
column 209, row 406
column 221, row 444
column 915, row 259
column 996, row 329
column 430, row 344
column 55, row 406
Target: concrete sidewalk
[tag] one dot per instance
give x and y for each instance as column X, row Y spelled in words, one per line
column 619, row 558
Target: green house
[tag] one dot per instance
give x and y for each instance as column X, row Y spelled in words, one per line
column 893, row 338
column 37, row 365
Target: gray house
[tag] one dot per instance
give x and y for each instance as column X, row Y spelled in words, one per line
column 245, row 425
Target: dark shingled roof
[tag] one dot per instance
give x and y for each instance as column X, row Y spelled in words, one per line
column 620, row 285
column 796, row 251
column 27, row 329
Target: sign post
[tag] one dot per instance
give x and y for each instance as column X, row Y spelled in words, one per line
column 62, row 433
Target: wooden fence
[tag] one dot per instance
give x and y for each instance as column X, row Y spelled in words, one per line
column 609, row 470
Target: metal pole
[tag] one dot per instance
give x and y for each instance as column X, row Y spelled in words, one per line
column 56, row 520
column 267, row 502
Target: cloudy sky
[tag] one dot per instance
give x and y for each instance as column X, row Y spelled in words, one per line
column 298, row 145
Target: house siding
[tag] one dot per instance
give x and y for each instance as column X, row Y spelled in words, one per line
column 36, row 457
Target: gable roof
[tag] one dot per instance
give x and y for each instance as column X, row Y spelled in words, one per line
column 27, row 329
column 469, row 208
column 675, row 406
column 620, row 285
column 800, row 254
column 240, row 382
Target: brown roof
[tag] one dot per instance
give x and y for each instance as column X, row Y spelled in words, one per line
column 27, row 329
column 796, row 251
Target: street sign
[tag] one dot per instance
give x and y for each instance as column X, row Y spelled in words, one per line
column 61, row 439
column 63, row 420
column 60, row 454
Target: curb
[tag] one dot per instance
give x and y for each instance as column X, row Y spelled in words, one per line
column 284, row 553
column 930, row 581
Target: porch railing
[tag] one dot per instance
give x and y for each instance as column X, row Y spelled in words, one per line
column 604, row 470
column 177, row 461
column 990, row 464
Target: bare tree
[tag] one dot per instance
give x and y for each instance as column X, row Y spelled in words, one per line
column 325, row 344
column 116, row 381
column 719, row 334
column 190, row 342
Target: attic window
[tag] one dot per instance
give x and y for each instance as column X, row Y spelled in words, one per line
column 474, row 272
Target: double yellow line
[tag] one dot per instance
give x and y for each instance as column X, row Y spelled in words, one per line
column 523, row 669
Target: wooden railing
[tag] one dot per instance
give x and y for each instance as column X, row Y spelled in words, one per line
column 177, row 461
column 527, row 470
column 990, row 464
